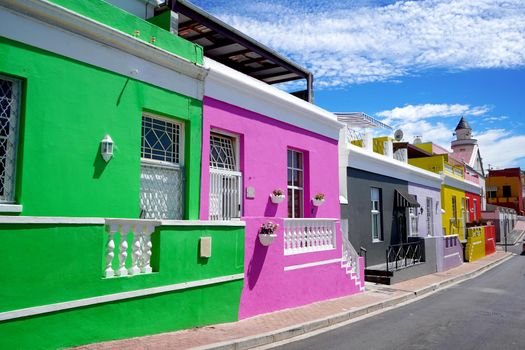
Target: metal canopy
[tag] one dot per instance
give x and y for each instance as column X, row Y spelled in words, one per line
column 405, row 200
column 234, row 49
column 360, row 120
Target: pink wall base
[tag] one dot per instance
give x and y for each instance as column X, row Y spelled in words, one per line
column 268, row 287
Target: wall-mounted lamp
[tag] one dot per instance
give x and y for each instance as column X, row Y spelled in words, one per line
column 106, row 148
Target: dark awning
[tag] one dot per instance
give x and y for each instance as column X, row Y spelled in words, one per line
column 234, row 49
column 405, row 200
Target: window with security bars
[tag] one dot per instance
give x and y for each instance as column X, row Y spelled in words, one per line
column 225, row 178
column 161, row 169
column 222, row 152
column 9, row 120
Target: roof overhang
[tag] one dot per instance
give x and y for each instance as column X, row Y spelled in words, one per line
column 227, row 45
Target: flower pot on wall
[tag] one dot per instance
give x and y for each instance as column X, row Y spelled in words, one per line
column 267, row 238
column 317, row 202
column 277, row 199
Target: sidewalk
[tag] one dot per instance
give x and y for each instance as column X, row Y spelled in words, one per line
column 281, row 325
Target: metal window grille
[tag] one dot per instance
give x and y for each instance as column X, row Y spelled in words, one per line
column 9, row 120
column 222, row 152
column 225, row 179
column 161, row 140
column 161, row 171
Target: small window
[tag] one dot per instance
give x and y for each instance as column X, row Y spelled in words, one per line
column 375, row 211
column 161, row 170
column 475, row 210
column 506, row 191
column 492, row 194
column 295, row 184
column 225, row 178
column 9, row 120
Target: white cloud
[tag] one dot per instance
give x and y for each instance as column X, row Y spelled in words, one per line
column 411, row 113
column 500, row 148
column 345, row 44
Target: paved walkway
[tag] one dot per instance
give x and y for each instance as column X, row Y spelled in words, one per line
column 277, row 326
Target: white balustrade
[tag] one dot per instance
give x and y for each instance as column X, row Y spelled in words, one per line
column 388, row 149
column 140, row 231
column 401, row 155
column 308, row 235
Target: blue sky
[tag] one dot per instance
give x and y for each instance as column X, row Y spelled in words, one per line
column 416, row 65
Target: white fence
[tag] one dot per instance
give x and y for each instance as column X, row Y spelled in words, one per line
column 308, row 235
column 225, row 194
column 140, row 231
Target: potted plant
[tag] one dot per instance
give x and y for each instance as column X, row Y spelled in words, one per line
column 318, row 199
column 267, row 233
column 277, row 196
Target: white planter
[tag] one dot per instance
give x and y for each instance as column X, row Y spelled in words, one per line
column 317, row 202
column 267, row 239
column 277, row 199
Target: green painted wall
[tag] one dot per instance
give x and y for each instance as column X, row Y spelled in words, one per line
column 125, row 22
column 62, row 263
column 68, row 108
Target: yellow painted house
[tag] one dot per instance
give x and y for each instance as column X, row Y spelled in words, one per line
column 453, row 189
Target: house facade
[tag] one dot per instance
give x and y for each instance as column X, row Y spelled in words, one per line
column 101, row 115
column 258, row 139
column 393, row 209
column 506, row 188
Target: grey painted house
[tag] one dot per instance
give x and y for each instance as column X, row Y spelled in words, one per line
column 376, row 222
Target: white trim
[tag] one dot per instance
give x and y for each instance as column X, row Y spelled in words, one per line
column 50, row 220
column 10, row 208
column 312, row 264
column 102, row 221
column 362, row 159
column 232, row 222
column 37, row 310
column 233, row 87
column 50, row 27
column 460, row 184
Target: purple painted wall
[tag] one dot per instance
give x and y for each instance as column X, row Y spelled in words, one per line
column 452, row 253
column 422, row 192
column 263, row 152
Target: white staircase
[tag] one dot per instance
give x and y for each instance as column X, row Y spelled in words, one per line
column 350, row 262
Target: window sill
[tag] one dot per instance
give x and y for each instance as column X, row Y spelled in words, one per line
column 10, row 208
column 377, row 241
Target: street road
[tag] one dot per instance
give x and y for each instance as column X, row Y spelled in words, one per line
column 487, row 312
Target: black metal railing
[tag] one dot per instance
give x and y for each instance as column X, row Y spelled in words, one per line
column 403, row 255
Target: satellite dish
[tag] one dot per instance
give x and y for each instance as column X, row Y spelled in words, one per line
column 417, row 140
column 398, row 135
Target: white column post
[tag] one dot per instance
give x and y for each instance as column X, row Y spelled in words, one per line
column 110, row 254
column 123, row 254
column 137, row 231
column 146, row 268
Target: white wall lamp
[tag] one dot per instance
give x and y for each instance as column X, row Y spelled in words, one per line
column 106, row 148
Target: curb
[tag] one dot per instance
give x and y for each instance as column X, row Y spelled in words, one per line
column 278, row 335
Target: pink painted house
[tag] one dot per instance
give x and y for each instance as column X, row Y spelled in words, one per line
column 257, row 139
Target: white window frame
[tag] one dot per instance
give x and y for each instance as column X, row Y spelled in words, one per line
column 375, row 213
column 179, row 166
column 227, row 172
column 430, row 216
column 292, row 187
column 467, row 205
column 413, row 221
column 7, row 202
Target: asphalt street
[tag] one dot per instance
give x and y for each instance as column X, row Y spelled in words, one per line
column 487, row 312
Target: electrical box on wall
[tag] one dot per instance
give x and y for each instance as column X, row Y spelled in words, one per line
column 250, row 192
column 205, row 247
